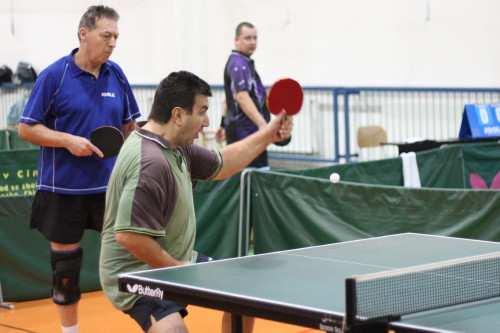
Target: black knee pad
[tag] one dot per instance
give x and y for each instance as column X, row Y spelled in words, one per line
column 66, row 267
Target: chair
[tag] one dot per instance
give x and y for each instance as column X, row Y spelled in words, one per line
column 371, row 136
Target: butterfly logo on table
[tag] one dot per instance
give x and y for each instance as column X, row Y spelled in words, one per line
column 477, row 182
column 145, row 290
column 132, row 289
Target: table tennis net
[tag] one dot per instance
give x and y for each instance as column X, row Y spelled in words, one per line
column 394, row 293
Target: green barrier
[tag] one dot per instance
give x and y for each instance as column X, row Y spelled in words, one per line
column 25, row 271
column 442, row 168
column 24, row 255
column 483, row 160
column 217, row 204
column 9, row 140
column 450, row 167
column 4, row 140
column 446, row 167
column 290, row 211
column 18, row 172
column 15, row 142
column 386, row 171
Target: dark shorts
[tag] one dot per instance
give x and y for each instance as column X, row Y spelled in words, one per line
column 203, row 258
column 63, row 218
column 145, row 307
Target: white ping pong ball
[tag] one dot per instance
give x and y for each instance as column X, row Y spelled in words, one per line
column 334, row 177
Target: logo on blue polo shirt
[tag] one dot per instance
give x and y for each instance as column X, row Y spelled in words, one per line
column 108, row 94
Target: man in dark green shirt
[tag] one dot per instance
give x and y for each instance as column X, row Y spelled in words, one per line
column 149, row 218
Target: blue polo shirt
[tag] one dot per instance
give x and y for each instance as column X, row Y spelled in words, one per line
column 68, row 99
column 240, row 75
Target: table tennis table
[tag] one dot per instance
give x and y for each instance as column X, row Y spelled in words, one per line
column 307, row 286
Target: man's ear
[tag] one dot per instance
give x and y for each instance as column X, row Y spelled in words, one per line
column 177, row 113
column 82, row 33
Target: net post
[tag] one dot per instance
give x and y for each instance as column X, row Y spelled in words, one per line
column 350, row 304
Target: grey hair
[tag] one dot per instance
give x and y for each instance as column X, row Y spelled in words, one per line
column 93, row 14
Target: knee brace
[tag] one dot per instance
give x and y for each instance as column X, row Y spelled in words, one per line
column 66, row 267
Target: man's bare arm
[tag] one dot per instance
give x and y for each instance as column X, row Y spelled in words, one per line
column 238, row 155
column 146, row 249
column 41, row 135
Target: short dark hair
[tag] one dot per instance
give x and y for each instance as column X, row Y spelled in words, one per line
column 240, row 26
column 94, row 13
column 178, row 89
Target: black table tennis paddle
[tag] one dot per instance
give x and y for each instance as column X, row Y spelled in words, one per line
column 108, row 139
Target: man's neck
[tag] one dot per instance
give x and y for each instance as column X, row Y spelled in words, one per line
column 84, row 63
column 242, row 53
column 165, row 131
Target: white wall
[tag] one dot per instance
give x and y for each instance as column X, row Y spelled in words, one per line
column 318, row 42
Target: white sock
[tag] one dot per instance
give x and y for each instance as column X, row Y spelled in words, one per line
column 69, row 329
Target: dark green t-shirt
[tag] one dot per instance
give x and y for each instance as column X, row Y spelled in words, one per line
column 150, row 192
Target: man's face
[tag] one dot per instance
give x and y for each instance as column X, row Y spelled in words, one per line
column 246, row 42
column 101, row 41
column 193, row 123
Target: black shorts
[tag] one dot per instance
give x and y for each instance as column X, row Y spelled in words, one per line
column 145, row 307
column 63, row 218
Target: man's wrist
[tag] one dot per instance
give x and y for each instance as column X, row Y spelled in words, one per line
column 261, row 124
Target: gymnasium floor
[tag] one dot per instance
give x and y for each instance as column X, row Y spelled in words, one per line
column 97, row 315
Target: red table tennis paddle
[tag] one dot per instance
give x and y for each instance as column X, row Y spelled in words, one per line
column 108, row 139
column 285, row 94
